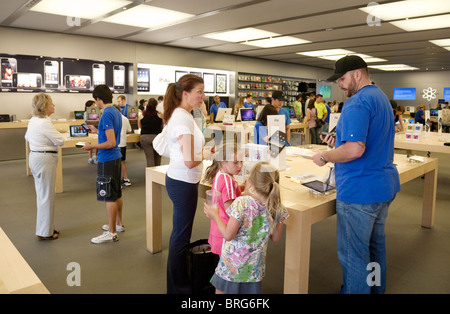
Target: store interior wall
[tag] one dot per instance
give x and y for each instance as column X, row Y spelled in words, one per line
column 437, row 80
column 29, row 42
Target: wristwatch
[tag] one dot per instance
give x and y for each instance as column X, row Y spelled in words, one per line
column 322, row 159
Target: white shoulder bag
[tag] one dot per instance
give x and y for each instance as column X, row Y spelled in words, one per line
column 160, row 143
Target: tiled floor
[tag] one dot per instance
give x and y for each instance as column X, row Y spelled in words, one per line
column 417, row 258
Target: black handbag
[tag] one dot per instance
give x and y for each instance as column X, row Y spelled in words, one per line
column 201, row 264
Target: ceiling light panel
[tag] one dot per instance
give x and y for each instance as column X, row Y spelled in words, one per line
column 243, row 34
column 424, row 23
column 407, row 9
column 146, row 16
column 393, row 67
column 277, row 42
column 441, row 42
column 86, row 9
column 327, row 54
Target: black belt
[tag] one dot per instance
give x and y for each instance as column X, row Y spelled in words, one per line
column 45, row 151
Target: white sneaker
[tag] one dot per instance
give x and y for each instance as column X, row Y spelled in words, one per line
column 118, row 228
column 95, row 158
column 126, row 182
column 91, row 161
column 105, row 237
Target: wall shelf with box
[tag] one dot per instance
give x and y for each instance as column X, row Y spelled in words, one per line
column 261, row 86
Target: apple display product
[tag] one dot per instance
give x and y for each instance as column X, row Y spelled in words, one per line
column 319, row 187
column 78, row 82
column 247, row 114
column 119, row 77
column 93, row 116
column 222, row 112
column 98, row 74
column 277, row 142
column 27, row 80
column 8, row 68
column 291, row 111
column 143, row 80
column 4, row 118
column 79, row 115
column 78, row 131
column 51, row 74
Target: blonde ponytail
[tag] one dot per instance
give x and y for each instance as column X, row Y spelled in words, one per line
column 266, row 182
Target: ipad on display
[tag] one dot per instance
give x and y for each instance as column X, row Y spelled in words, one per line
column 78, row 131
column 319, row 186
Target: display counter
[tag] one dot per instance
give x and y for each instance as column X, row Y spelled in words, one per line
column 304, row 208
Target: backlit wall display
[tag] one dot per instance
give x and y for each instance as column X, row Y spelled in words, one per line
column 405, row 93
column 447, row 93
column 22, row 73
column 325, row 91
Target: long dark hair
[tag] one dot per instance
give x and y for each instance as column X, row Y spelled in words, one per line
column 150, row 109
column 267, row 111
column 174, row 93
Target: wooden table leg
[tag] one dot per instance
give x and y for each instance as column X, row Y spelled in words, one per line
column 153, row 214
column 429, row 197
column 59, row 187
column 297, row 254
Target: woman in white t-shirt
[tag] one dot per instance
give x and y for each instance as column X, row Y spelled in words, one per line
column 186, row 143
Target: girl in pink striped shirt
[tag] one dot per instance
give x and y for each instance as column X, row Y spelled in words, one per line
column 226, row 164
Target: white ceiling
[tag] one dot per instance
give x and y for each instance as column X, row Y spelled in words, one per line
column 327, row 24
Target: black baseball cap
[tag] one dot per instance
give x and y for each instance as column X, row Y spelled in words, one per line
column 278, row 95
column 345, row 64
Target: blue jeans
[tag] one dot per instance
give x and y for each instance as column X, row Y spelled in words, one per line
column 184, row 198
column 361, row 246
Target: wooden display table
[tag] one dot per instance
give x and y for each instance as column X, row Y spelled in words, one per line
column 430, row 142
column 304, row 208
column 70, row 143
column 16, row 276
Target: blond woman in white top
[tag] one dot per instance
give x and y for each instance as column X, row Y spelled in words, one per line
column 44, row 140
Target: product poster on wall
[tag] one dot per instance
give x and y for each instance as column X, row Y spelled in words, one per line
column 208, row 78
column 22, row 73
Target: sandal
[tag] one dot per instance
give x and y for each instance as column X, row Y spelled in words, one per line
column 52, row 237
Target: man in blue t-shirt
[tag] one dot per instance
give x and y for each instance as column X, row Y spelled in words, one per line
column 248, row 102
column 277, row 101
column 109, row 160
column 366, row 177
column 419, row 116
column 215, row 108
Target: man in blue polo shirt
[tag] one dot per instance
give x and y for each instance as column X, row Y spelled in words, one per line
column 277, row 101
column 215, row 108
column 366, row 178
column 248, row 102
column 109, row 188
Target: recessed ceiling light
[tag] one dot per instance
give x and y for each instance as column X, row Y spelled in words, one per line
column 146, row 16
column 329, row 54
column 86, row 9
column 277, row 42
column 407, row 9
column 424, row 23
column 243, row 34
column 393, row 67
column 441, row 42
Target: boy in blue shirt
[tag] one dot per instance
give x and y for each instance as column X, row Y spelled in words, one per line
column 109, row 161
